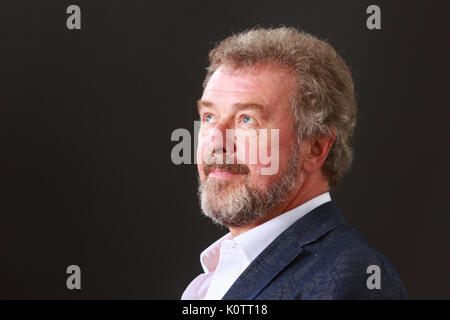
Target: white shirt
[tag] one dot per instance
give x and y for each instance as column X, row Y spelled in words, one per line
column 225, row 260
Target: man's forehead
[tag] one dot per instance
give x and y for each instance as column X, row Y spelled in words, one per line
column 266, row 83
column 224, row 79
column 257, row 77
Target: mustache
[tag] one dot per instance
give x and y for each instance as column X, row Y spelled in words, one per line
column 216, row 162
column 233, row 168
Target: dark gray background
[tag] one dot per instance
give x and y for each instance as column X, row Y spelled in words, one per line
column 86, row 118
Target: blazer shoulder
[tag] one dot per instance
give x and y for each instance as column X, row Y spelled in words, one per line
column 355, row 269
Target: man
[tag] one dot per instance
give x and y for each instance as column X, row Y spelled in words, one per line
column 287, row 238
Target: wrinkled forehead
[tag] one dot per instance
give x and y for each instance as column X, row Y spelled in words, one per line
column 260, row 77
column 267, row 83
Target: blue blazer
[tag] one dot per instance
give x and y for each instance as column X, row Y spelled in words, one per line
column 318, row 257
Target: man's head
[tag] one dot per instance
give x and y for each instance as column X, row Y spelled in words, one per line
column 275, row 80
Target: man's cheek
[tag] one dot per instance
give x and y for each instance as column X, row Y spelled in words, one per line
column 257, row 179
column 203, row 150
column 247, row 146
column 259, row 147
column 269, row 152
column 199, row 154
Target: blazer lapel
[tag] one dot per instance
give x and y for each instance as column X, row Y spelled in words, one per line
column 283, row 250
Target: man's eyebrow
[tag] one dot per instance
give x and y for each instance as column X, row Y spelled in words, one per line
column 239, row 105
column 203, row 103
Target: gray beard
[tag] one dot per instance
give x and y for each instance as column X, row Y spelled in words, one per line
column 238, row 203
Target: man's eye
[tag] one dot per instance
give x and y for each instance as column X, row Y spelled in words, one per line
column 209, row 118
column 248, row 120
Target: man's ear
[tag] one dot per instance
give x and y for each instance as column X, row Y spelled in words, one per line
column 316, row 151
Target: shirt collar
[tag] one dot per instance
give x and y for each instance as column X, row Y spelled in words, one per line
column 209, row 258
column 255, row 240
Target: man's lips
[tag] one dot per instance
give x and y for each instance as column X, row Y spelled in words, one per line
column 221, row 174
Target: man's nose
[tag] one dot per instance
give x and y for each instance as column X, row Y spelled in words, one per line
column 222, row 141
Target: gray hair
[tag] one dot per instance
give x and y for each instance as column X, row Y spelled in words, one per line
column 325, row 93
